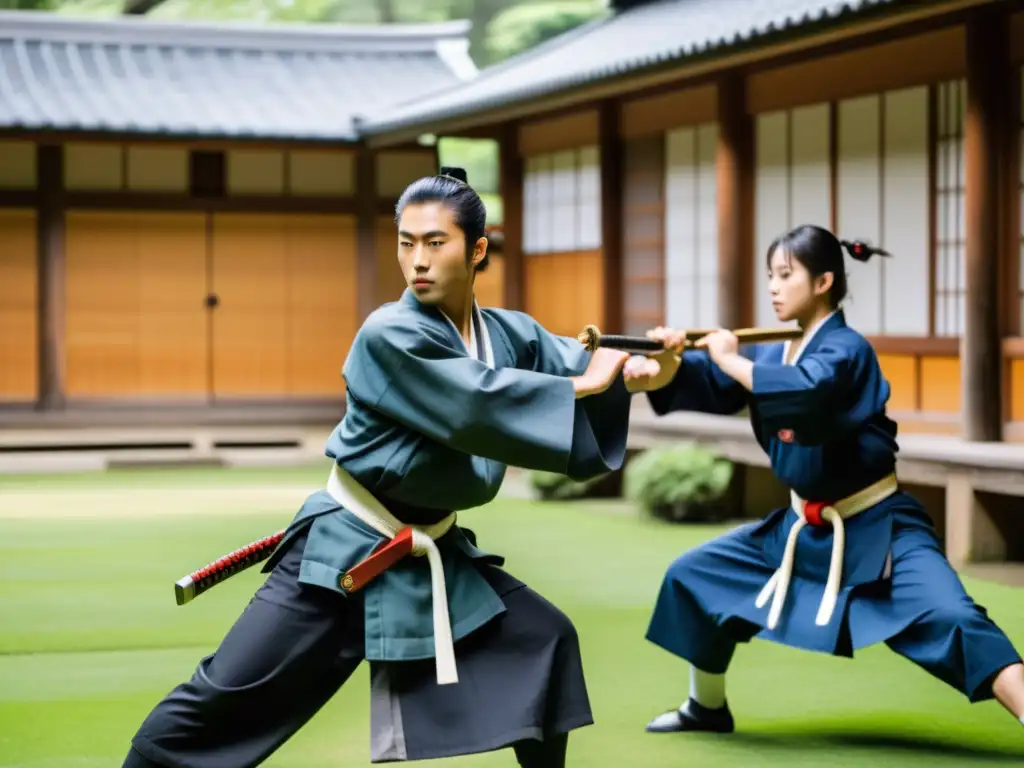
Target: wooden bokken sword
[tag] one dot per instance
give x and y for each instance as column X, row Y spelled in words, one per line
column 592, row 338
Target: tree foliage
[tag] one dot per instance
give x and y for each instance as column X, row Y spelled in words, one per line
column 29, row 5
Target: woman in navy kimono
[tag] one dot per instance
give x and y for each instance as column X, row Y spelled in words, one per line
column 854, row 560
column 441, row 396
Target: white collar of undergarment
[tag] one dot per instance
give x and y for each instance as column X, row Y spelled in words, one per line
column 475, row 338
column 806, row 340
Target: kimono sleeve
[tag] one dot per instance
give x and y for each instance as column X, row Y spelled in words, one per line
column 819, row 397
column 701, row 386
column 525, row 418
column 601, row 421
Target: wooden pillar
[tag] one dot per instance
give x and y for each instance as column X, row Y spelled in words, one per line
column 987, row 65
column 51, row 261
column 511, row 181
column 366, row 230
column 734, row 163
column 611, row 151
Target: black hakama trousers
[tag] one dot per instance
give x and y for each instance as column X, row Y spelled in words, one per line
column 521, row 683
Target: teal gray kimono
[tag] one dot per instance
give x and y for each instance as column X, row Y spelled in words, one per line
column 429, row 429
column 432, row 426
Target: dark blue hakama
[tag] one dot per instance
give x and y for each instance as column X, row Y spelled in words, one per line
column 294, row 646
column 706, row 605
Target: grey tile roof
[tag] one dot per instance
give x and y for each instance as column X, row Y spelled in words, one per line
column 143, row 76
column 648, row 35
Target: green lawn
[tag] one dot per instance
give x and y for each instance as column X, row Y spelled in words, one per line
column 90, row 639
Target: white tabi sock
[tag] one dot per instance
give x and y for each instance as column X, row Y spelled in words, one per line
column 707, row 689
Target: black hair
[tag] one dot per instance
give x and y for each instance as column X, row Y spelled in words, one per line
column 819, row 251
column 451, row 187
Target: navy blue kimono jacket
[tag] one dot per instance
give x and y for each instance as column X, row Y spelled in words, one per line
column 822, row 421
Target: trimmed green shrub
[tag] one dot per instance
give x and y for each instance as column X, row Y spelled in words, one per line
column 679, row 483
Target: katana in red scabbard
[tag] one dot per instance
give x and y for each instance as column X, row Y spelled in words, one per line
column 194, row 584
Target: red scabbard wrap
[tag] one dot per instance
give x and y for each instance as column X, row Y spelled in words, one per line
column 383, row 558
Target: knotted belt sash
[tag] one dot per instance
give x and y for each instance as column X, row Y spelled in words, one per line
column 404, row 540
column 818, row 513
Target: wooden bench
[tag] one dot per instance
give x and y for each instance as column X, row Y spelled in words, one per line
column 969, row 473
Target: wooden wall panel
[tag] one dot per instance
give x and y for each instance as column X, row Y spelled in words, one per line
column 322, row 303
column 590, row 291
column 255, row 172
column 565, row 291
column 18, row 165
column 250, row 325
column 940, row 384
column 558, row 133
column 311, row 172
column 390, row 280
column 288, row 304
column 489, row 285
column 173, row 353
column 102, row 312
column 901, row 371
column 1016, row 389
column 899, row 64
column 19, row 327
column 158, row 169
column 654, row 115
column 398, row 169
column 94, row 167
column 135, row 323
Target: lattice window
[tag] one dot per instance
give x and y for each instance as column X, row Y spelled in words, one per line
column 562, row 201
column 950, row 242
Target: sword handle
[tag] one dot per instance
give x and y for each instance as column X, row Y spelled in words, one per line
column 592, row 338
column 189, row 587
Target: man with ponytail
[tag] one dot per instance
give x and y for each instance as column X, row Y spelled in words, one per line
column 442, row 395
column 854, row 560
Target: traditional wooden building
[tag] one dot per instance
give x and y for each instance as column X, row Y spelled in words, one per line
column 650, row 157
column 188, row 219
